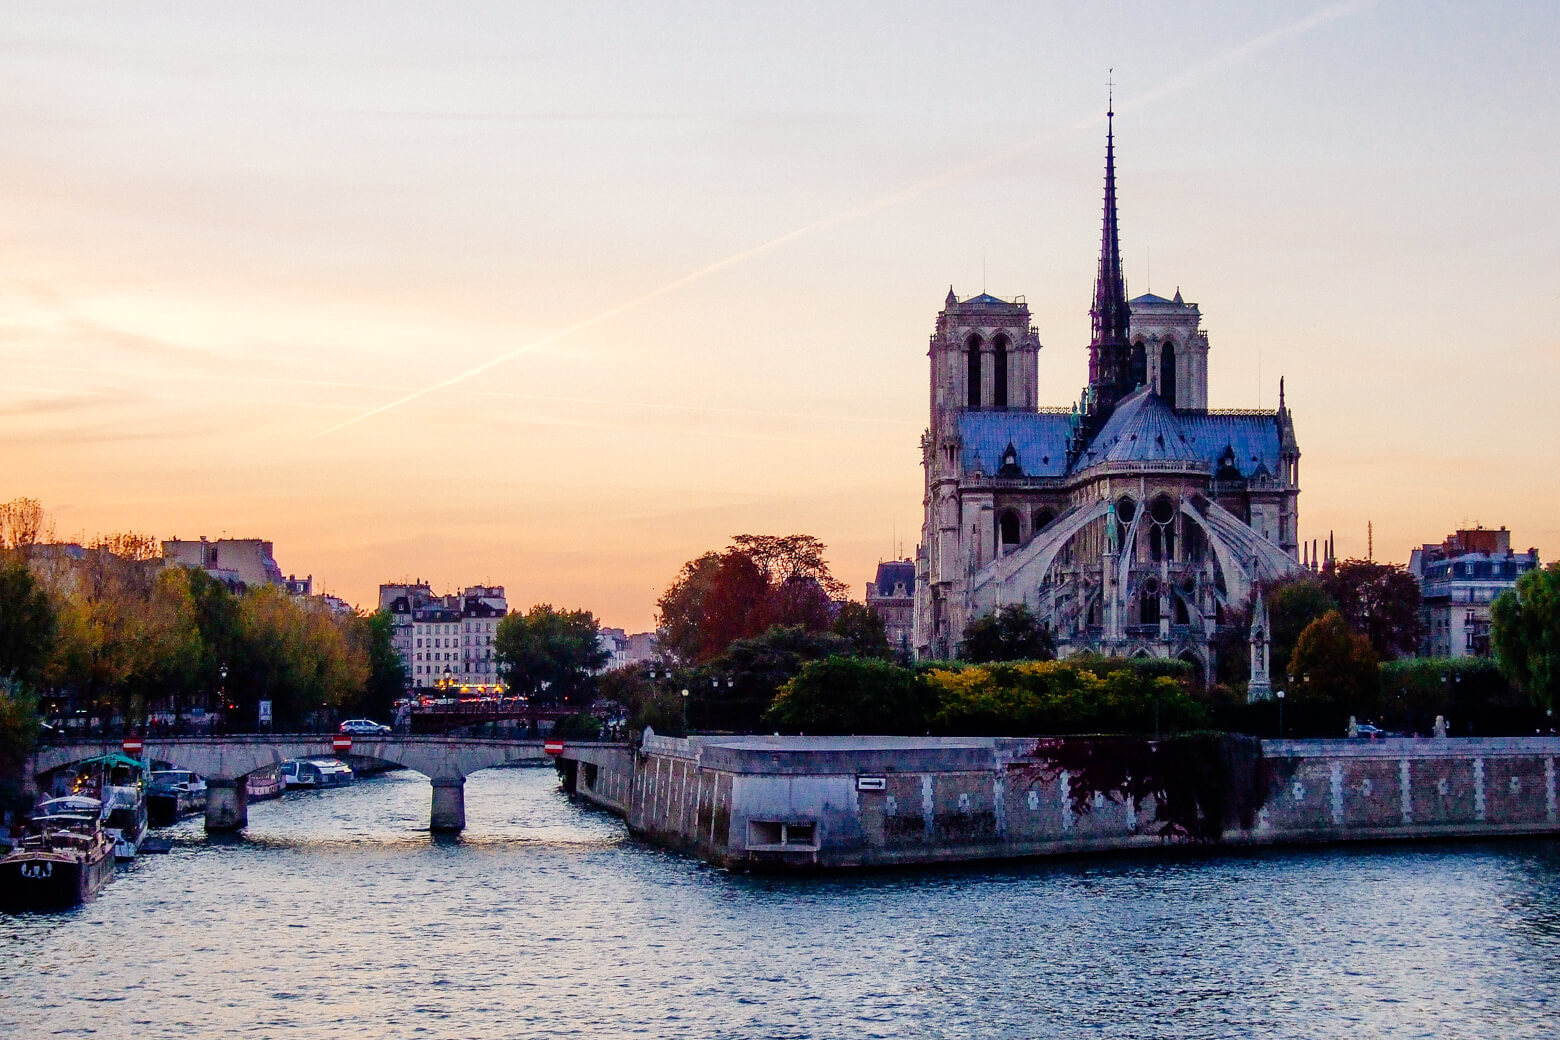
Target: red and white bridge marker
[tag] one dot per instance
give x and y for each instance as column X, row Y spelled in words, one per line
column 341, row 742
column 553, row 747
column 132, row 745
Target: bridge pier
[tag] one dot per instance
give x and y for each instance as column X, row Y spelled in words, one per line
column 449, row 804
column 227, row 804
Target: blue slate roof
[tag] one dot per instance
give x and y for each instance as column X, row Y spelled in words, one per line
column 1040, row 438
column 893, row 573
column 1142, row 429
column 1149, row 297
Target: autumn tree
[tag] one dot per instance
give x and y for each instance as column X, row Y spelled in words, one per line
column 756, row 582
column 1292, row 604
column 1380, row 601
column 24, row 524
column 1336, row 675
column 1525, row 633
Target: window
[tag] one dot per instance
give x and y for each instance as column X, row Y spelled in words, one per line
column 999, row 373
column 972, row 375
column 1009, row 531
column 1167, row 373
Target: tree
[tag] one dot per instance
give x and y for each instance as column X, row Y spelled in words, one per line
column 1336, row 675
column 23, row 525
column 1525, row 633
column 852, row 695
column 27, row 625
column 549, row 655
column 1292, row 604
column 18, row 733
column 386, row 674
column 1380, row 601
column 862, row 627
column 756, row 582
column 1010, row 633
column 733, row 691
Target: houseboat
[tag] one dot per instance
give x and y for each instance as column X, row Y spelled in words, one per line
column 62, row 861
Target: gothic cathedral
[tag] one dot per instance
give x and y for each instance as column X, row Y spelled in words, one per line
column 1131, row 522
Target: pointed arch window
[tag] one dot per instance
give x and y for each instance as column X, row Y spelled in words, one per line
column 1008, row 532
column 1139, row 365
column 972, row 379
column 1167, row 373
column 999, row 372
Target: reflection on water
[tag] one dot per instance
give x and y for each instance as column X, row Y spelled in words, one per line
column 337, row 914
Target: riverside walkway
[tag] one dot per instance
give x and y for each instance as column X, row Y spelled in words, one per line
column 225, row 762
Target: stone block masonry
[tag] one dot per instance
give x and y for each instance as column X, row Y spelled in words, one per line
column 776, row 803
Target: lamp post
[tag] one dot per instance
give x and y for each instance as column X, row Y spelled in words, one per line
column 1280, row 714
column 222, row 688
column 685, row 712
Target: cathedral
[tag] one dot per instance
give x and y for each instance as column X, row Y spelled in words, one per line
column 1132, row 523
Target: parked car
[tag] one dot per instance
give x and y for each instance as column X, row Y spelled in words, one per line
column 1365, row 731
column 363, row 726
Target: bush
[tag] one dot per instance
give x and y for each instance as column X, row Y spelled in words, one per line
column 1058, row 697
column 853, row 695
column 577, row 727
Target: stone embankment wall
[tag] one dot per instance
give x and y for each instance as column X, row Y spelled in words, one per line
column 799, row 802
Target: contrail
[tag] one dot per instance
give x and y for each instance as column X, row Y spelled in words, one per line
column 895, row 198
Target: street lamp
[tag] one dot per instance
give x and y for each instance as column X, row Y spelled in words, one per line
column 1280, row 714
column 685, row 712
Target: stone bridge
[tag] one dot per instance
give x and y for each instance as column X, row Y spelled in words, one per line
column 225, row 762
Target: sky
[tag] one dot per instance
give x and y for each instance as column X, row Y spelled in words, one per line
column 559, row 296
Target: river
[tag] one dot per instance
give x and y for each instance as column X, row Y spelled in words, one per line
column 338, row 915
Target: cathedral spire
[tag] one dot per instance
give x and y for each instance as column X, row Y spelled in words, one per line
column 1110, row 373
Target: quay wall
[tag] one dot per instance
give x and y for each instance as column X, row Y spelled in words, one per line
column 808, row 802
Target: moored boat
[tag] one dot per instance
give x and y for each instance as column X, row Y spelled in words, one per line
column 263, row 784
column 119, row 782
column 174, row 793
column 316, row 772
column 62, row 861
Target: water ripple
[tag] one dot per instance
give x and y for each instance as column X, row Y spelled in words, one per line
column 337, row 915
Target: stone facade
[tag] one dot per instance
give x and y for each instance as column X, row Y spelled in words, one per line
column 446, row 642
column 1131, row 522
column 892, row 595
column 1458, row 579
column 771, row 803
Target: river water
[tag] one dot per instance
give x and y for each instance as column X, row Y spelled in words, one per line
column 338, row 915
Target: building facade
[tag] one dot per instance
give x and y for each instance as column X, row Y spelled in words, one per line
column 1131, row 522
column 446, row 642
column 1458, row 579
column 892, row 595
column 240, row 563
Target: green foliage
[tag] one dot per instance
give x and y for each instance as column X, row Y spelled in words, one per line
column 1011, row 633
column 1380, row 601
column 579, row 726
column 1292, row 604
column 549, row 655
column 853, row 695
column 18, row 734
column 733, row 691
column 1525, row 634
column 27, row 624
column 386, row 674
column 1335, row 675
column 862, row 627
column 1469, row 692
column 1057, row 697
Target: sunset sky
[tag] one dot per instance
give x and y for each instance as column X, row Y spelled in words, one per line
column 558, row 296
